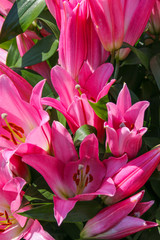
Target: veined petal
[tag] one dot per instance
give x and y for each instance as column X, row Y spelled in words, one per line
column 113, row 164
column 89, row 147
column 125, row 227
column 105, row 90
column 96, row 82
column 52, row 172
column 62, row 143
column 59, row 106
column 62, row 208
column 108, row 19
column 5, row 7
column 81, row 111
column 3, row 55
column 36, row 232
column 124, row 100
column 64, row 85
column 23, row 87
column 110, row 216
column 134, row 173
column 136, row 16
column 135, row 114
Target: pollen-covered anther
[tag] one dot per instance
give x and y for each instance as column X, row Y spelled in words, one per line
column 80, row 166
column 82, row 178
column 78, row 87
column 5, row 221
column 122, row 125
column 16, row 132
column 4, row 115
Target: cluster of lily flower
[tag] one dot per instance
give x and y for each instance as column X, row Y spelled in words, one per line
column 81, row 76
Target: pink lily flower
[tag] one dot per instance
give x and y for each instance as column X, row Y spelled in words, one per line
column 119, row 220
column 22, row 122
column 79, row 41
column 70, row 178
column 154, row 21
column 12, row 225
column 136, row 17
column 108, row 19
column 57, row 8
column 25, row 42
column 72, row 42
column 23, row 87
column 124, row 128
column 120, row 21
column 135, row 174
column 74, row 97
column 13, row 168
column 96, row 54
column 5, row 7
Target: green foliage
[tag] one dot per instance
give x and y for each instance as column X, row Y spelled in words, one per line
column 40, row 52
column 21, row 15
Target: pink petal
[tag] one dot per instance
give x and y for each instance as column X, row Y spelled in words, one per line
column 113, row 164
column 110, row 216
column 36, row 232
column 124, row 100
column 136, row 16
column 3, row 55
column 58, row 105
column 62, row 208
column 52, row 172
column 64, row 85
column 81, row 111
column 105, row 90
column 5, row 7
column 108, row 19
column 89, row 147
column 23, row 87
column 135, row 174
column 135, row 114
column 98, row 79
column 63, row 146
column 125, row 227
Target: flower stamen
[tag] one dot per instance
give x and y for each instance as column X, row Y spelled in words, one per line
column 16, row 132
column 82, row 178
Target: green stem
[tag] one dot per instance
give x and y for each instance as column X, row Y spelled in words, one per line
column 112, row 57
column 116, row 69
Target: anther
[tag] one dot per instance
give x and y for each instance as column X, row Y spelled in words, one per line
column 78, row 87
column 4, row 115
column 80, row 166
column 122, row 125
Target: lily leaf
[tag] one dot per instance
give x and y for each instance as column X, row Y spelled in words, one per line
column 20, row 17
column 40, row 52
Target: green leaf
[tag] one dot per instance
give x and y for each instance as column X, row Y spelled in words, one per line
column 155, row 68
column 47, row 19
column 13, row 54
column 142, row 56
column 133, row 59
column 100, row 107
column 40, row 52
column 82, row 212
column 151, row 141
column 20, row 17
column 82, row 132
